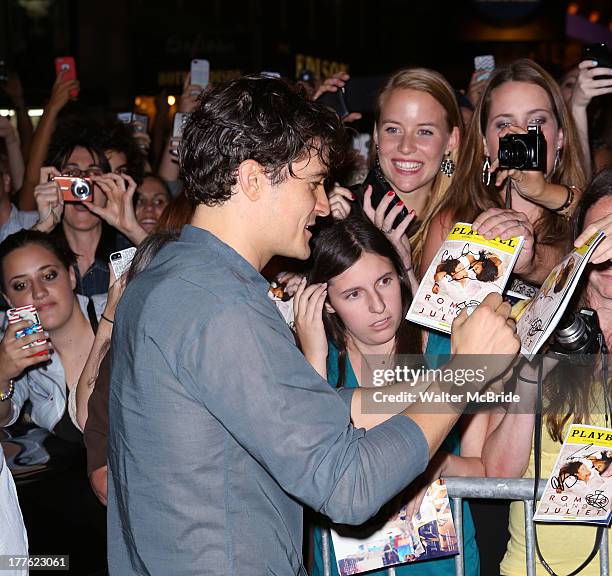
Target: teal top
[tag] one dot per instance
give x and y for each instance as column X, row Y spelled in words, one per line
column 438, row 348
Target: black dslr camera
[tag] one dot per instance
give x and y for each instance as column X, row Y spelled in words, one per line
column 523, row 151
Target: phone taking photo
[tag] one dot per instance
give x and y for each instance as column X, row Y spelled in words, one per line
column 27, row 313
column 336, row 101
column 67, row 65
column 178, row 124
column 200, row 73
column 139, row 122
column 120, row 261
column 485, row 65
column 599, row 53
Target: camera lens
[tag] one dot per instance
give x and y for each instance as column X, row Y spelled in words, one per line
column 513, row 153
column 572, row 332
column 80, row 189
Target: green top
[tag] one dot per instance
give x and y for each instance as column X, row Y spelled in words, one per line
column 438, row 347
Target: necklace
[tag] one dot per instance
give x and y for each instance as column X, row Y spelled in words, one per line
column 381, row 362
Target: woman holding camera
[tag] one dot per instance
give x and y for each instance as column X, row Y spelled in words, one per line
column 88, row 225
column 542, row 196
column 38, row 270
column 567, row 398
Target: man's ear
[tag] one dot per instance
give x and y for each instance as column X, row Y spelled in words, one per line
column 329, row 308
column 252, row 179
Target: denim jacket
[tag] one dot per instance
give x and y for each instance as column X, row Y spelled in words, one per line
column 45, row 385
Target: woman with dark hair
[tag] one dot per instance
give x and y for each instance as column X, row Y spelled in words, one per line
column 38, row 270
column 150, row 201
column 103, row 224
column 570, row 395
column 353, row 313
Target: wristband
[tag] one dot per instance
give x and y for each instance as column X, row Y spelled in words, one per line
column 9, row 393
column 568, row 200
column 107, row 319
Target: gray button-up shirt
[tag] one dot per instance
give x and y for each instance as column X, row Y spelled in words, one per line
column 220, row 430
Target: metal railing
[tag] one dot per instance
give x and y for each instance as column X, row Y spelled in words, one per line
column 494, row 489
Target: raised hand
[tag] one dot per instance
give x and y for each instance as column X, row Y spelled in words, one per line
column 189, row 98
column 586, row 87
column 60, row 93
column 308, row 318
column 333, row 84
column 49, row 200
column 14, row 359
column 119, row 212
column 340, row 202
column 397, row 236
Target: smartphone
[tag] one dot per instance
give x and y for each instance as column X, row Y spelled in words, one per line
column 140, row 122
column 67, row 65
column 336, row 101
column 178, row 124
column 27, row 313
column 378, row 194
column 200, row 73
column 485, row 65
column 360, row 93
column 599, row 53
column 120, row 261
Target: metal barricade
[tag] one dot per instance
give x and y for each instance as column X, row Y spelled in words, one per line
column 494, row 489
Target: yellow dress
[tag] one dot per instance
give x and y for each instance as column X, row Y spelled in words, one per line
column 563, row 546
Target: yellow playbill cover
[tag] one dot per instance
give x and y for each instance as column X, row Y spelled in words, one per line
column 578, row 489
column 466, row 268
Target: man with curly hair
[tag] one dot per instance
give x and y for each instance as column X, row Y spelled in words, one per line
column 220, row 430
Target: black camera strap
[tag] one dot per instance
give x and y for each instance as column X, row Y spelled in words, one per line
column 537, row 456
column 508, row 202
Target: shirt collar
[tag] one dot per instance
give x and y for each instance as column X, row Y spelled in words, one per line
column 196, row 235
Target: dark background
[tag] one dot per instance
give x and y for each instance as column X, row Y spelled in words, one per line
column 129, row 50
column 126, row 48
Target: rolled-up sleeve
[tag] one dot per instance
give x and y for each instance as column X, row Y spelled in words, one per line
column 244, row 367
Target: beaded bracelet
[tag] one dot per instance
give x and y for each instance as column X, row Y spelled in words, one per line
column 9, row 393
column 568, row 200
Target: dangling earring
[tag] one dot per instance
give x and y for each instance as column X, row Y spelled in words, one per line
column 448, row 165
column 377, row 161
column 486, row 175
column 557, row 160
